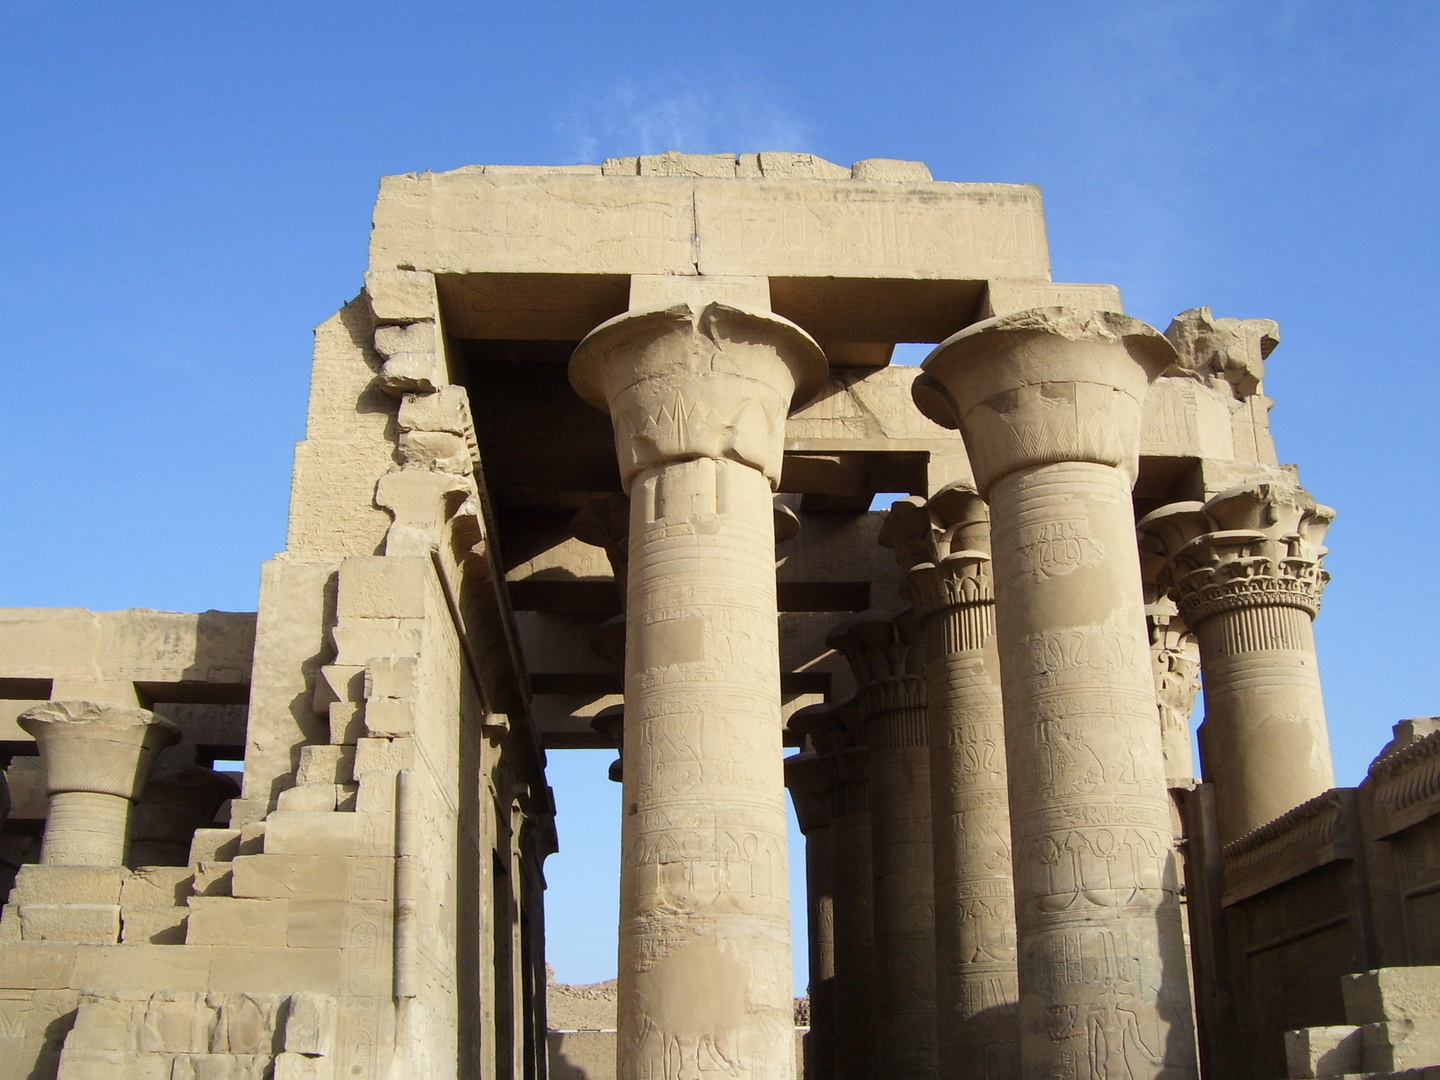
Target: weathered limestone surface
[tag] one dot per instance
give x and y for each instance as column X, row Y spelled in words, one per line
column 697, row 396
column 1049, row 402
column 944, row 545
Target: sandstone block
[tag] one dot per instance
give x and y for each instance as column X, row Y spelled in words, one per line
column 176, row 1023
column 107, row 1022
column 213, row 878
column 415, row 337
column 383, row 755
column 310, row 797
column 267, row 970
column 325, row 764
column 37, row 884
column 446, row 410
column 389, row 717
column 300, row 833
column 36, row 1014
column 153, row 925
column 347, row 721
column 1323, row 1051
column 313, row 877
column 377, row 792
column 891, row 171
column 1401, row 1044
column 22, row 1057
column 436, row 450
column 363, row 639
column 226, row 920
column 289, row 1066
column 91, row 924
column 310, row 1024
column 406, row 373
column 27, row 965
column 10, row 924
column 802, row 167
column 390, row 677
column 142, row 968
column 1395, row 993
column 249, row 1023
column 252, row 839
column 112, row 1065
column 157, row 886
column 221, row 1067
column 377, row 587
column 674, row 163
column 400, row 296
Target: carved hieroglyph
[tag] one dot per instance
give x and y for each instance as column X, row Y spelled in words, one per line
column 1245, row 571
column 890, row 702
column 944, row 544
column 96, row 758
column 698, row 394
column 1049, row 404
column 809, row 783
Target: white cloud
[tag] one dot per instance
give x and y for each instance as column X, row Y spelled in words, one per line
column 672, row 113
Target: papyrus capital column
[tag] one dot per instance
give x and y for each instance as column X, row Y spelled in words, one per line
column 943, row 544
column 1049, row 403
column 96, row 758
column 886, row 658
column 1244, row 570
column 698, row 393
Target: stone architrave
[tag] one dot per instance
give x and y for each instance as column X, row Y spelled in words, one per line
column 96, row 758
column 1049, row 404
column 177, row 800
column 1244, row 570
column 809, row 784
column 698, row 393
column 943, row 544
column 890, row 701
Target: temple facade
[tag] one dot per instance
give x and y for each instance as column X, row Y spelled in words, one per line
column 589, row 463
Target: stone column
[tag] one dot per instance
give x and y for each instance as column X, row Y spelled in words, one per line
column 96, row 760
column 890, row 698
column 1245, row 571
column 177, row 800
column 944, row 545
column 698, row 393
column 830, row 732
column 809, row 784
column 1049, row 404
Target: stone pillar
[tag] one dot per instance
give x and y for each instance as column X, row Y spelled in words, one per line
column 96, row 760
column 845, row 765
column 890, row 698
column 177, row 800
column 809, row 784
column 944, row 545
column 698, row 393
column 1049, row 404
column 1245, row 571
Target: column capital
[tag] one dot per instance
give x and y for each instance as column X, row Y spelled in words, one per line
column 1043, row 386
column 1255, row 545
column 693, row 380
column 885, row 655
column 943, row 544
column 809, row 783
column 99, row 748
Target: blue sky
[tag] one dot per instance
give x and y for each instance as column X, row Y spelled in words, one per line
column 185, row 190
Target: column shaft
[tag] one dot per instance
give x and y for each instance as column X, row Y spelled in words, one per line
column 820, row 921
column 904, row 879
column 1102, row 961
column 704, row 943
column 854, row 917
column 976, row 989
column 1264, row 741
